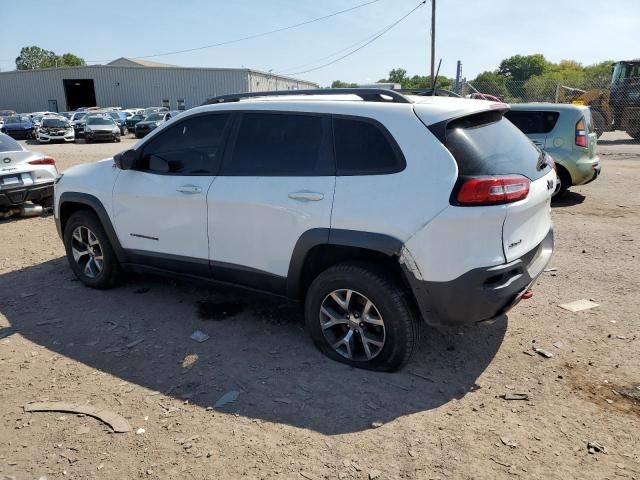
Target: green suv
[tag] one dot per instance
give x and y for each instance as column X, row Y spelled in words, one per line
column 566, row 133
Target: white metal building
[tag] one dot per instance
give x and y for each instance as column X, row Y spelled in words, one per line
column 130, row 83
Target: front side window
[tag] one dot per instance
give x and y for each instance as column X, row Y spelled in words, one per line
column 363, row 148
column 280, row 144
column 191, row 147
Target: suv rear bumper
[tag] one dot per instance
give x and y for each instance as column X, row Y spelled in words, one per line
column 480, row 294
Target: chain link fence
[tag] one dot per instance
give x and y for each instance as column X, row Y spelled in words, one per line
column 614, row 106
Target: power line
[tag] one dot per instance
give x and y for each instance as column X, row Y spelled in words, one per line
column 385, row 30
column 257, row 35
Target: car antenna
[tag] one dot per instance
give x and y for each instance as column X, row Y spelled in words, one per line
column 434, row 79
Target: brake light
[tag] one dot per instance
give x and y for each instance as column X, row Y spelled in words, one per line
column 581, row 134
column 43, row 161
column 493, row 190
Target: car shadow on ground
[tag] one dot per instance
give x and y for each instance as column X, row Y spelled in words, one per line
column 140, row 332
column 569, row 199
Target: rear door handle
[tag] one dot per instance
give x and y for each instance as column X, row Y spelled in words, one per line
column 306, row 196
column 189, row 189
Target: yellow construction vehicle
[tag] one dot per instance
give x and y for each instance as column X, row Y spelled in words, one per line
column 613, row 108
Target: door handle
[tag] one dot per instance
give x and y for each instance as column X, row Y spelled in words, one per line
column 305, row 196
column 189, row 189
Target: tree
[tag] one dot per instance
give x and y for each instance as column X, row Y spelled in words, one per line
column 520, row 68
column 34, row 57
column 341, row 84
column 491, row 83
column 399, row 75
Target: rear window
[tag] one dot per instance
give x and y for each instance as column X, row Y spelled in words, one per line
column 533, row 121
column 8, row 144
column 364, row 148
column 488, row 144
column 279, row 144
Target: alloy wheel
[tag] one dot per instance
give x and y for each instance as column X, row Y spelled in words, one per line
column 87, row 251
column 352, row 325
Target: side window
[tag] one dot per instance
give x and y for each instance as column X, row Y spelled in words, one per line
column 191, row 147
column 280, row 144
column 363, row 148
column 533, row 122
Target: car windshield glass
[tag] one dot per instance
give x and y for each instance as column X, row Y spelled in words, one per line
column 55, row 123
column 114, row 115
column 99, row 121
column 15, row 120
column 8, row 144
column 78, row 116
column 154, row 117
column 37, row 118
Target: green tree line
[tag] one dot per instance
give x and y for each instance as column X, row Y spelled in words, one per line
column 32, row 58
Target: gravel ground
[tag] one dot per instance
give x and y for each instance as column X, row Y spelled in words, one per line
column 299, row 415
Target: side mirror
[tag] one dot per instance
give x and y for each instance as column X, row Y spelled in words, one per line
column 126, row 160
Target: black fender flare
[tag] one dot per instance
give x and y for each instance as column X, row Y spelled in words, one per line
column 310, row 239
column 96, row 205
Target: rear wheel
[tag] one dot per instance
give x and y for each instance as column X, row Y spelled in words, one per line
column 357, row 316
column 89, row 251
column 563, row 183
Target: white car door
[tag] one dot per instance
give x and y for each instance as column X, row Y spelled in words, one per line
column 160, row 207
column 276, row 183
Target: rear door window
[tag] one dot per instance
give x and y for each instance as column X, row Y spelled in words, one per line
column 533, row 122
column 281, row 145
column 365, row 148
column 488, row 144
column 191, row 147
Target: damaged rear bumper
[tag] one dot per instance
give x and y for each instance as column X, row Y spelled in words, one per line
column 482, row 293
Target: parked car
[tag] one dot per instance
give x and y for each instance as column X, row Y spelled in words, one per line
column 566, row 133
column 150, row 110
column 6, row 113
column 67, row 115
column 18, row 126
column 55, row 129
column 100, row 127
column 24, row 176
column 132, row 121
column 77, row 122
column 120, row 119
column 150, row 122
column 317, row 201
column 170, row 114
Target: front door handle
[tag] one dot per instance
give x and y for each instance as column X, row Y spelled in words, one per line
column 189, row 189
column 306, row 196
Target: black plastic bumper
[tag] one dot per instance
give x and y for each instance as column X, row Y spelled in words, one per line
column 18, row 196
column 480, row 294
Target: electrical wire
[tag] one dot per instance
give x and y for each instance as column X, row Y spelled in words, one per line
column 385, row 30
column 256, row 35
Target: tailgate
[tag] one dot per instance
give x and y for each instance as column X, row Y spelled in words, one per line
column 529, row 221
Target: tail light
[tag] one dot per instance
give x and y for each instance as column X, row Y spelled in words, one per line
column 581, row 134
column 43, row 161
column 493, row 190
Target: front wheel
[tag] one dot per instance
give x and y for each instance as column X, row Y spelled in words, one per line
column 563, row 183
column 357, row 316
column 89, row 251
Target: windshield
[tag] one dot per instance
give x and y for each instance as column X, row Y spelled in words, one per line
column 55, row 123
column 8, row 144
column 16, row 119
column 114, row 115
column 99, row 121
column 78, row 116
column 154, row 117
column 37, row 118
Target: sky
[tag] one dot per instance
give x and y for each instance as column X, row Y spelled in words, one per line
column 479, row 34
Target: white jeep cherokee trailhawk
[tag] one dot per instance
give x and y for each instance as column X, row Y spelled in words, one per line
column 372, row 208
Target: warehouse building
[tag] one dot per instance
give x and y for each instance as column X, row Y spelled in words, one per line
column 128, row 82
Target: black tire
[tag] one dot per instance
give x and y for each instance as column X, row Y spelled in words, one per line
column 110, row 273
column 116, row 139
column 401, row 325
column 599, row 122
column 564, row 180
column 46, row 202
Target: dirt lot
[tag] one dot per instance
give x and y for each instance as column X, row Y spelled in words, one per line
column 301, row 416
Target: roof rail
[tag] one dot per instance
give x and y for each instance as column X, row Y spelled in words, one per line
column 366, row 94
column 428, row 92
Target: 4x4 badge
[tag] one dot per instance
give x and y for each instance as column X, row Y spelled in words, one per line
column 549, row 184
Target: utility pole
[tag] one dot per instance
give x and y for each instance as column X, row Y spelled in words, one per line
column 433, row 39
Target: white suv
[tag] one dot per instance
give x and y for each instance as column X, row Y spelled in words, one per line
column 371, row 208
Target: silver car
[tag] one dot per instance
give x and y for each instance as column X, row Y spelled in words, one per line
column 101, row 127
